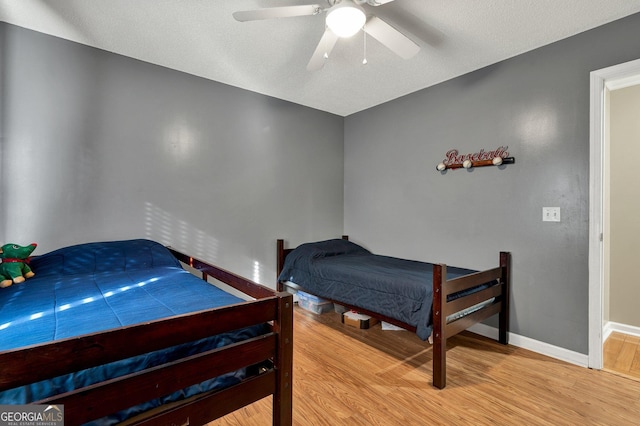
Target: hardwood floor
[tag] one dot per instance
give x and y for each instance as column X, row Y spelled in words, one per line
column 343, row 375
column 622, row 355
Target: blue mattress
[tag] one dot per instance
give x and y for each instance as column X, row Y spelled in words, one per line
column 345, row 272
column 99, row 286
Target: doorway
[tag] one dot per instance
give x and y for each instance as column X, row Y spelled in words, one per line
column 602, row 81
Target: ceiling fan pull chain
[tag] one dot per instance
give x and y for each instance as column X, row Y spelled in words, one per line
column 364, row 61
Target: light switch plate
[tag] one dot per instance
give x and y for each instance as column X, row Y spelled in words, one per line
column 551, row 214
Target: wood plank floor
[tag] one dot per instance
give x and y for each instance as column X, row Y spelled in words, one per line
column 373, row 377
column 622, row 355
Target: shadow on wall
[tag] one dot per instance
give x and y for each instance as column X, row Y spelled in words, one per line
column 163, row 227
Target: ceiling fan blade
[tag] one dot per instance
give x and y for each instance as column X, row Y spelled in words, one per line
column 325, row 46
column 393, row 39
column 277, row 12
column 378, row 2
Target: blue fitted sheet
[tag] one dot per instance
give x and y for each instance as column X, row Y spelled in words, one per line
column 345, row 272
column 98, row 286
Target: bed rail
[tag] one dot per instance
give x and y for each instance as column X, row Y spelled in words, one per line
column 236, row 281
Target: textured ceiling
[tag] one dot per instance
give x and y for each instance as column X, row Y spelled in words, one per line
column 201, row 37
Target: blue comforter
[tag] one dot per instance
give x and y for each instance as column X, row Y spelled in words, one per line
column 98, row 286
column 346, row 272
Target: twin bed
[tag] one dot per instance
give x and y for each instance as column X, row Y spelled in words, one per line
column 122, row 332
column 432, row 300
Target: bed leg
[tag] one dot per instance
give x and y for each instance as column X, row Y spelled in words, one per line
column 283, row 397
column 503, row 317
column 439, row 323
column 439, row 362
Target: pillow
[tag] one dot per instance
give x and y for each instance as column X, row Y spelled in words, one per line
column 301, row 258
column 110, row 256
column 335, row 247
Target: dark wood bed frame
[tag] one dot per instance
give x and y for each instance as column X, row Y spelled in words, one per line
column 441, row 308
column 268, row 358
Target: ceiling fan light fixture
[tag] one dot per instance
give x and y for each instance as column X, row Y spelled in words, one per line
column 345, row 19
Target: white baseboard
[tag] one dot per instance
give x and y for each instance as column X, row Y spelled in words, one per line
column 611, row 326
column 534, row 345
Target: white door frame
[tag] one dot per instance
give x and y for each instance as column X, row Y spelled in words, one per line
column 611, row 78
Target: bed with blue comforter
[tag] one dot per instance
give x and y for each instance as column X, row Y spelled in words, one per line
column 429, row 299
column 133, row 306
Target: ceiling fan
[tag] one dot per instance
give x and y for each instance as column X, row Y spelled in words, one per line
column 344, row 19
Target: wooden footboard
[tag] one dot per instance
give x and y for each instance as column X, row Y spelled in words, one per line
column 442, row 288
column 268, row 356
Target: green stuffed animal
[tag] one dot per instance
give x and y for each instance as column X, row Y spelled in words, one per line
column 14, row 268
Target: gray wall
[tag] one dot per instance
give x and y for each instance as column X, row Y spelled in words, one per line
column 98, row 146
column 2, row 100
column 537, row 104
